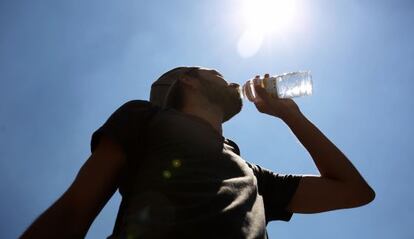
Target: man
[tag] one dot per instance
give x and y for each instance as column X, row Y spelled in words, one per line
column 180, row 178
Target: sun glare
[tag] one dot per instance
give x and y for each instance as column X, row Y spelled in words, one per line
column 269, row 15
column 262, row 18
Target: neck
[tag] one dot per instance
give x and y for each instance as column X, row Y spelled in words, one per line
column 209, row 114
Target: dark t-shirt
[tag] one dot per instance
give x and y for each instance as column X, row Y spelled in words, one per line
column 184, row 180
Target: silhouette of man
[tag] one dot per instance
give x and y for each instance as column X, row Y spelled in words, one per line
column 180, row 178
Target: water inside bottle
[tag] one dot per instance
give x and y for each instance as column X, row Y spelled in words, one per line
column 288, row 85
column 294, row 84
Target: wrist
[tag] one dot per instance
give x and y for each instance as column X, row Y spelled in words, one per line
column 290, row 116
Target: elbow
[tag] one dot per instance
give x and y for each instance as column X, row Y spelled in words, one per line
column 370, row 195
column 365, row 195
column 358, row 195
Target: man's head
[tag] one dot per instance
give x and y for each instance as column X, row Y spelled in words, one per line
column 182, row 84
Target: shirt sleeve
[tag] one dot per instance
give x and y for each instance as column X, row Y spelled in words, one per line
column 125, row 126
column 277, row 190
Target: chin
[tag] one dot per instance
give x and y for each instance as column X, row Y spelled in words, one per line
column 233, row 111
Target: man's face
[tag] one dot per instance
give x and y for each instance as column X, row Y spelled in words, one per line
column 221, row 93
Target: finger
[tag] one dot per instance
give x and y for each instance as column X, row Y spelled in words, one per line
column 256, row 80
column 261, row 92
column 256, row 87
column 259, row 89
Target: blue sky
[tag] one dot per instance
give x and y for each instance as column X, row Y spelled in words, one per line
column 65, row 66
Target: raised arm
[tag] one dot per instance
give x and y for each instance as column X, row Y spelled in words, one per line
column 339, row 184
column 73, row 213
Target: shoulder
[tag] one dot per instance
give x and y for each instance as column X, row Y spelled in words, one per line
column 137, row 106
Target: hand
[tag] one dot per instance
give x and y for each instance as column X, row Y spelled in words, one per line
column 273, row 105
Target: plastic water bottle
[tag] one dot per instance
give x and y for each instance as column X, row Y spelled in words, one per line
column 287, row 85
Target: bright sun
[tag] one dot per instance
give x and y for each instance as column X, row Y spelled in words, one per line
column 268, row 16
column 262, row 18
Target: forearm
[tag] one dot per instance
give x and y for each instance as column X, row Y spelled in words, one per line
column 330, row 161
column 56, row 222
